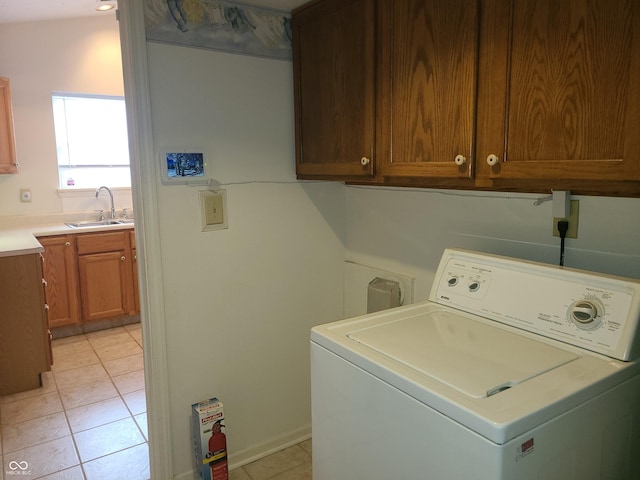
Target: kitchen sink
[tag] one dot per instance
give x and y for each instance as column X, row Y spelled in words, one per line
column 100, row 223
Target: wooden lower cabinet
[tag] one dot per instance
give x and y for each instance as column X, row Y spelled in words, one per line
column 134, row 258
column 24, row 335
column 106, row 275
column 90, row 276
column 61, row 275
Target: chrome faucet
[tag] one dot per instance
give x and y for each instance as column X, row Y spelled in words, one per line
column 113, row 210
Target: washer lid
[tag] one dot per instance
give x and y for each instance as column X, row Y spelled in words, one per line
column 476, row 359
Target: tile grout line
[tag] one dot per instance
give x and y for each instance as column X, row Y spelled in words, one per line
column 120, row 395
column 65, row 410
column 66, row 417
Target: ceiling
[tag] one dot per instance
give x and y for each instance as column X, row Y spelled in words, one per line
column 15, row 11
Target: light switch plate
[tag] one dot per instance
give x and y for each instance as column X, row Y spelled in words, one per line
column 213, row 209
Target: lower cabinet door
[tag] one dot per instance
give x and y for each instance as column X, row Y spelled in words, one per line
column 61, row 275
column 107, row 285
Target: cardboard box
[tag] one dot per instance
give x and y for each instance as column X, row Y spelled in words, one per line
column 209, row 440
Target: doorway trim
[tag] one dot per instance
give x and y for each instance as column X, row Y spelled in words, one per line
column 147, row 227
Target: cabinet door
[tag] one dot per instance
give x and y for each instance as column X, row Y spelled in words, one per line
column 106, row 285
column 8, row 162
column 571, row 73
column 61, row 275
column 334, row 78
column 428, row 87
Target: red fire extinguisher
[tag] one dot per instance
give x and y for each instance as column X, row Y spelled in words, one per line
column 218, row 453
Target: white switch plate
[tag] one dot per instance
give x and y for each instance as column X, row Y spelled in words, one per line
column 213, row 209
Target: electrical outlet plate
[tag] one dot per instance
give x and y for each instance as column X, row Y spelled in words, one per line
column 25, row 195
column 213, row 206
column 573, row 221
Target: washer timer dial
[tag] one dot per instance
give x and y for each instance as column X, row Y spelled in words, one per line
column 586, row 313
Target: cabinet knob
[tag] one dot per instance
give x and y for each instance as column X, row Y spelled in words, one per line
column 364, row 161
column 67, row 244
column 123, row 258
column 460, row 160
column 492, row 159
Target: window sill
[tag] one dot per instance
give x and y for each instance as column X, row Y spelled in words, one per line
column 86, row 192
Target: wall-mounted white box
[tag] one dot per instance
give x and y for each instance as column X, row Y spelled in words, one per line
column 356, row 285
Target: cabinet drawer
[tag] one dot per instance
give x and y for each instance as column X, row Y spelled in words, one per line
column 102, row 242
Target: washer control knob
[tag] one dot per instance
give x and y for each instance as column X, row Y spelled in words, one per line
column 585, row 314
column 474, row 286
column 453, row 281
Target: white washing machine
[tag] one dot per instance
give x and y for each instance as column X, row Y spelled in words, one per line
column 512, row 370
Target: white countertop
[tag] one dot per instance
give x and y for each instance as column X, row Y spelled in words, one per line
column 18, row 243
column 18, row 234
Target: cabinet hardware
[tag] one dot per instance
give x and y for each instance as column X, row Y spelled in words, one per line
column 460, row 160
column 492, row 159
column 364, row 161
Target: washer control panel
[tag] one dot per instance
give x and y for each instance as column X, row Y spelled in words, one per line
column 593, row 311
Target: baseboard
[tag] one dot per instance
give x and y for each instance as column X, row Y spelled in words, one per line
column 94, row 326
column 256, row 452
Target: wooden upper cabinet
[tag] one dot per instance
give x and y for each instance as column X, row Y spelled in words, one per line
column 334, row 87
column 8, row 163
column 511, row 95
column 428, row 87
column 560, row 92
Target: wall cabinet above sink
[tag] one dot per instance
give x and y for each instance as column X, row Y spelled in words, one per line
column 528, row 95
column 8, row 162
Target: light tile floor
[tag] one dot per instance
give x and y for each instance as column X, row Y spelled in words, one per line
column 293, row 463
column 88, row 421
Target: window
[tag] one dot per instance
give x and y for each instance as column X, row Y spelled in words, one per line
column 91, row 141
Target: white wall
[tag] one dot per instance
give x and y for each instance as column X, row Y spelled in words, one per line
column 405, row 231
column 76, row 55
column 240, row 302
